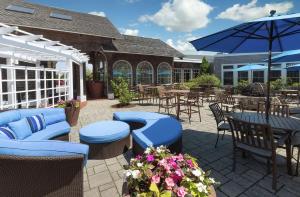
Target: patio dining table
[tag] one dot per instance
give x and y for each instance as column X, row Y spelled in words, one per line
column 287, row 124
column 178, row 93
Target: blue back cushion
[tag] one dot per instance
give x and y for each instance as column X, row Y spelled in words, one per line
column 51, row 115
column 21, row 128
column 36, row 123
column 9, row 116
column 7, row 133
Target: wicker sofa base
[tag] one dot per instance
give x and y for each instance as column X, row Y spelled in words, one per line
column 64, row 137
column 176, row 147
column 41, row 176
column 108, row 150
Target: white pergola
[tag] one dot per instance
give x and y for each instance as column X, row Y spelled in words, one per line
column 18, row 45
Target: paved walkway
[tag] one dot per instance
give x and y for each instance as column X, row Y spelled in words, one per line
column 105, row 177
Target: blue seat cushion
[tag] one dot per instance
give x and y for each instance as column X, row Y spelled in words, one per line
column 51, row 131
column 54, row 118
column 164, row 131
column 47, row 148
column 104, row 132
column 21, row 128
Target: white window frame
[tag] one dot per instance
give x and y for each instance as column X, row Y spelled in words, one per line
column 141, row 64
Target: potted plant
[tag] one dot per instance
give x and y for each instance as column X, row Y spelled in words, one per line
column 159, row 173
column 72, row 110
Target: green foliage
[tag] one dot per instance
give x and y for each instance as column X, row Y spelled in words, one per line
column 242, row 86
column 121, row 91
column 89, row 74
column 204, row 80
column 205, row 66
column 277, row 84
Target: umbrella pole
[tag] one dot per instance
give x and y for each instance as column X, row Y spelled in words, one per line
column 269, row 69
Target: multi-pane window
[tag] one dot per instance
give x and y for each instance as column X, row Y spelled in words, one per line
column 258, row 76
column 228, row 78
column 122, row 69
column 144, row 73
column 28, row 87
column 177, row 75
column 242, row 76
column 196, row 73
column 164, row 73
column 186, row 75
column 275, row 74
column 292, row 74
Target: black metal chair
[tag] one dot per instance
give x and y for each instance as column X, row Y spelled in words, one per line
column 222, row 124
column 295, row 142
column 257, row 139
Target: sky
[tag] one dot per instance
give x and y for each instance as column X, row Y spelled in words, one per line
column 176, row 21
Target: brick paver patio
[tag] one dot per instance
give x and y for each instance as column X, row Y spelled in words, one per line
column 105, row 177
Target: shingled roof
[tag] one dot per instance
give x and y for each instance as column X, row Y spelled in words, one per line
column 145, row 46
column 81, row 22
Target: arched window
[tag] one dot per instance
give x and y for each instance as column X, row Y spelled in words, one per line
column 122, row 69
column 144, row 73
column 164, row 73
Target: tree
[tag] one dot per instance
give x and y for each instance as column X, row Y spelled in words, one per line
column 205, row 66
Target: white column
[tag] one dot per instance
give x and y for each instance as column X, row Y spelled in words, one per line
column 235, row 76
column 82, row 96
column 250, row 76
column 283, row 73
column 69, row 65
column 11, row 84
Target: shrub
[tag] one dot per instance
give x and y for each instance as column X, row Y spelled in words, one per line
column 121, row 91
column 204, row 80
column 277, row 84
column 242, row 86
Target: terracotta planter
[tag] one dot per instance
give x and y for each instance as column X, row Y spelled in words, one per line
column 95, row 89
column 72, row 115
column 125, row 192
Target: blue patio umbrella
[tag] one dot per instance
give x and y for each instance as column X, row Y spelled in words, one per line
column 269, row 34
column 287, row 56
column 251, row 67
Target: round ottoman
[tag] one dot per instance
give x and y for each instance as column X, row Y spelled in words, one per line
column 106, row 139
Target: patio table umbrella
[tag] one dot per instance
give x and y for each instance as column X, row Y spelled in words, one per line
column 251, row 67
column 269, row 34
column 287, row 56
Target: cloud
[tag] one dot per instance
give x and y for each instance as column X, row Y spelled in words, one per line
column 250, row 11
column 130, row 32
column 181, row 15
column 98, row 13
column 181, row 45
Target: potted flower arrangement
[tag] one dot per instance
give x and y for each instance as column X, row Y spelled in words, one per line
column 72, row 109
column 159, row 173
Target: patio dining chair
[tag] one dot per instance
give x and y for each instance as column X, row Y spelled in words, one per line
column 165, row 100
column 295, row 142
column 143, row 94
column 222, row 124
column 281, row 110
column 192, row 104
column 256, row 139
column 229, row 103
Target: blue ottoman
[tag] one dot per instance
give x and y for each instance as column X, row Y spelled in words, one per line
column 106, row 139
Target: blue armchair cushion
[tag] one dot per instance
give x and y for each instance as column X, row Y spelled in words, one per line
column 9, row 116
column 7, row 133
column 21, row 128
column 47, row 148
column 36, row 123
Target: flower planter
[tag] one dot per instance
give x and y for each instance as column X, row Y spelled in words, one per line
column 95, row 89
column 72, row 115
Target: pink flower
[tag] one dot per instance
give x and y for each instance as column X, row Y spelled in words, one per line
column 155, row 179
column 139, row 157
column 181, row 192
column 150, row 158
column 180, row 157
column 179, row 172
column 170, row 183
column 190, row 163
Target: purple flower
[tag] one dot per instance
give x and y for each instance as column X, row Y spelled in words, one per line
column 150, row 158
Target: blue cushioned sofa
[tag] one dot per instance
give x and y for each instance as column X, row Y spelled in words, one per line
column 37, row 165
column 152, row 129
column 55, row 118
